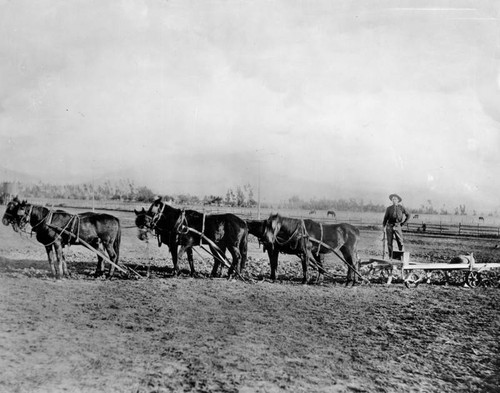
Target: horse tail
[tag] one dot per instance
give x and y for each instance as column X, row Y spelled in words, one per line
column 116, row 243
column 244, row 249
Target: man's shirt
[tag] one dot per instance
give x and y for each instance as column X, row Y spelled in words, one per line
column 396, row 214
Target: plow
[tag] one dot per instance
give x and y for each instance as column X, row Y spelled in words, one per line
column 462, row 270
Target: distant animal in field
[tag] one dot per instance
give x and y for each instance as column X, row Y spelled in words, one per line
column 331, row 213
column 415, row 216
column 312, row 212
column 481, row 219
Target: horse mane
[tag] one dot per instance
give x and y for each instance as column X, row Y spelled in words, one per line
column 288, row 224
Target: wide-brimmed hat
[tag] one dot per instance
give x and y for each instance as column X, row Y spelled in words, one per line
column 395, row 195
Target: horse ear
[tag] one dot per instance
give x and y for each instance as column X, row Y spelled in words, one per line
column 143, row 210
column 136, row 212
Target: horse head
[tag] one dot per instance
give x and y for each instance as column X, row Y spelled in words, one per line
column 15, row 214
column 144, row 223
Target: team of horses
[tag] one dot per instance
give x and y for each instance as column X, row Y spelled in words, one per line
column 181, row 230
column 56, row 229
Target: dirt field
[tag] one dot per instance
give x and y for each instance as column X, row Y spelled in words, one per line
column 174, row 334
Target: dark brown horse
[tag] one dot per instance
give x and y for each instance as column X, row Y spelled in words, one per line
column 257, row 228
column 311, row 241
column 189, row 228
column 57, row 228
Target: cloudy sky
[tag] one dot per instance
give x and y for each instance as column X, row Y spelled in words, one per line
column 322, row 98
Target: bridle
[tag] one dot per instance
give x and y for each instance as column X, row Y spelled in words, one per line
column 15, row 219
column 151, row 225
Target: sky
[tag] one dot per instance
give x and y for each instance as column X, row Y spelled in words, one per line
column 317, row 99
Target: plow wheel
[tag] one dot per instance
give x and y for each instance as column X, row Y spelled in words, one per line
column 412, row 280
column 473, row 279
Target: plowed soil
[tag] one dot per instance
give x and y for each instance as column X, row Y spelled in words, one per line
column 183, row 334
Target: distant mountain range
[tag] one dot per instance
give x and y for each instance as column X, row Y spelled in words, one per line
column 9, row 175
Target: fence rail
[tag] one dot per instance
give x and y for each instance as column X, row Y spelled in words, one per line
column 453, row 229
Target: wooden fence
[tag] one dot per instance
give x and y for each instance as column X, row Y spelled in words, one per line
column 424, row 228
column 453, row 229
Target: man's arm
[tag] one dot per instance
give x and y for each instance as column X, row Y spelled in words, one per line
column 386, row 217
column 407, row 216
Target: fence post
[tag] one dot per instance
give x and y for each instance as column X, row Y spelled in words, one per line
column 460, row 227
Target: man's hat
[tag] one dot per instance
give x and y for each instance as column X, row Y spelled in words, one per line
column 395, row 195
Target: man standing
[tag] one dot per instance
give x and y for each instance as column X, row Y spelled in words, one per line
column 395, row 217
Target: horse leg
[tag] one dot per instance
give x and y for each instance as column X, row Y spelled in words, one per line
column 99, row 271
column 215, row 268
column 189, row 253
column 217, row 262
column 51, row 256
column 273, row 261
column 349, row 256
column 243, row 247
column 64, row 265
column 319, row 261
column 304, row 259
column 235, row 263
column 60, row 258
column 113, row 258
column 175, row 259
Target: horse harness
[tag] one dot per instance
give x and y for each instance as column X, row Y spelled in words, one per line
column 154, row 224
column 72, row 226
column 182, row 227
column 299, row 233
column 304, row 234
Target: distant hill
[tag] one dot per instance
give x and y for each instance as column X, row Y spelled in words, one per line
column 9, row 175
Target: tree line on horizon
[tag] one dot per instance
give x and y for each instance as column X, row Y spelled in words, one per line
column 239, row 196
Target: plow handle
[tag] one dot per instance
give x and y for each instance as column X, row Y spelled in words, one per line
column 383, row 244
